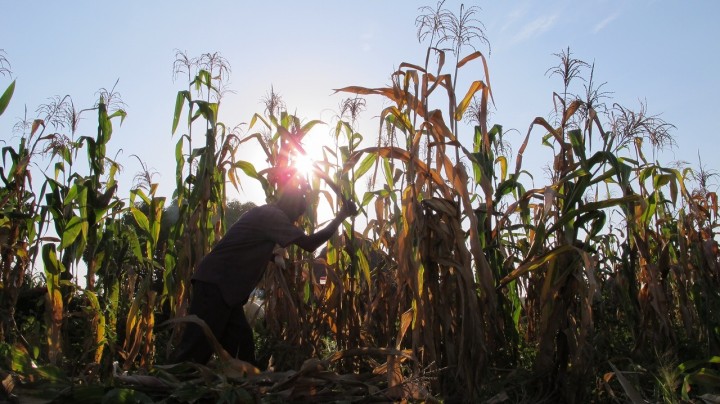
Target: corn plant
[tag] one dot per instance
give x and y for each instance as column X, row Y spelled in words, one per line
column 201, row 174
column 445, row 286
column 20, row 219
column 280, row 135
column 80, row 207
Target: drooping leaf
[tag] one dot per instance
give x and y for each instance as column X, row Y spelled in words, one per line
column 503, row 167
column 179, row 102
column 468, row 58
column 208, row 110
column 660, row 180
column 536, row 263
column 462, row 107
column 36, row 125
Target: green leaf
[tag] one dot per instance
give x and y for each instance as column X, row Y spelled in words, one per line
column 388, row 172
column 306, row 128
column 7, row 95
column 104, row 133
column 367, row 198
column 73, row 193
column 52, row 265
column 365, row 165
column 478, row 138
column 179, row 168
column 344, row 153
column 179, row 102
column 576, row 190
column 196, row 153
column 706, row 377
column 688, row 366
column 72, row 231
column 364, row 266
column 340, row 126
column 141, row 219
column 578, row 144
column 590, row 206
column 306, row 292
column 121, row 113
column 134, row 244
column 494, row 132
column 546, row 138
column 661, row 180
column 21, row 361
column 596, row 218
column 650, row 210
column 247, row 168
column 356, row 140
column 139, row 192
column 203, row 78
column 257, row 117
column 646, row 173
column 505, row 187
column 208, row 110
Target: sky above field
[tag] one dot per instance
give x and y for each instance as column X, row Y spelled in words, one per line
column 661, row 53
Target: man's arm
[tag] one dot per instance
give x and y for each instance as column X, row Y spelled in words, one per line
column 313, row 241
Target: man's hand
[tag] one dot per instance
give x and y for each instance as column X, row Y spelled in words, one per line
column 348, row 209
column 313, row 241
column 279, row 257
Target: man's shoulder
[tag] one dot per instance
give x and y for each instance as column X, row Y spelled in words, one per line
column 269, row 209
column 264, row 212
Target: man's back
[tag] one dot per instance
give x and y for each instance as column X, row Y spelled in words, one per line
column 236, row 264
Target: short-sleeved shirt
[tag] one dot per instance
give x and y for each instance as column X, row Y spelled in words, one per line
column 237, row 263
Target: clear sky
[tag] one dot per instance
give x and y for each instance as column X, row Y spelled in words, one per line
column 662, row 52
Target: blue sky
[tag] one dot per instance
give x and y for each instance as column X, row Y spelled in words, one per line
column 661, row 52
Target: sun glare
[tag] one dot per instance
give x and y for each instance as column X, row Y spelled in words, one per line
column 312, row 144
column 304, row 165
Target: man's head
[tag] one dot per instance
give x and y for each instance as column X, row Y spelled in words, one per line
column 292, row 201
column 291, row 193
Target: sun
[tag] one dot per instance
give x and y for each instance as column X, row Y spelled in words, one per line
column 308, row 162
column 304, row 164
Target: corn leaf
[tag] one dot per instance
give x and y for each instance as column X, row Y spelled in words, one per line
column 141, row 219
column 7, row 95
column 72, row 230
column 536, row 263
column 632, row 393
column 365, row 165
column 462, row 107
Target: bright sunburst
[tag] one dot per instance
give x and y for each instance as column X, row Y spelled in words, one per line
column 303, row 163
column 312, row 145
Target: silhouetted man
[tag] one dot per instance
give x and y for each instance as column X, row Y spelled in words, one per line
column 227, row 276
